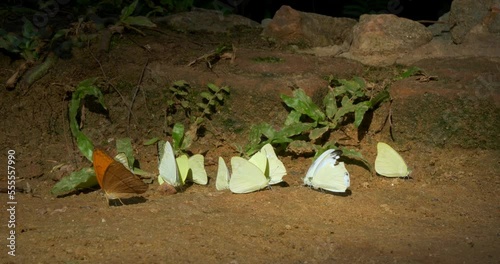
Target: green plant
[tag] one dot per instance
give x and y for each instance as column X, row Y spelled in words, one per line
column 128, row 21
column 181, row 99
column 86, row 178
column 32, row 47
column 308, row 124
column 84, row 89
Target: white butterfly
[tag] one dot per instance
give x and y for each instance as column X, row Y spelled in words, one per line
column 168, row 167
column 222, row 180
column 246, row 176
column 389, row 163
column 276, row 169
column 176, row 171
column 325, row 174
column 197, row 172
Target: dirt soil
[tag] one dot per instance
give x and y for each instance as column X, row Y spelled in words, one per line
column 447, row 212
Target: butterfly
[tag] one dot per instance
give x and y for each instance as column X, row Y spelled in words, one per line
column 167, row 167
column 246, row 176
column 222, row 180
column 115, row 179
column 389, row 163
column 177, row 171
column 275, row 170
column 197, row 172
column 326, row 174
column 261, row 170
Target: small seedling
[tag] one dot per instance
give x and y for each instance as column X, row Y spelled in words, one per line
column 197, row 112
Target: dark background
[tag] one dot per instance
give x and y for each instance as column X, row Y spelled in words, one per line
column 255, row 9
column 412, row 9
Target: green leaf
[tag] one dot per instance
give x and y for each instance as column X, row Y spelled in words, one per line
column 151, row 141
column 181, row 83
column 304, row 105
column 330, row 104
column 180, row 92
column 219, row 96
column 226, row 89
column 294, row 129
column 380, row 98
column 347, row 107
column 207, row 96
column 202, row 105
column 213, row 87
column 83, row 89
column 139, row 21
column 185, row 104
column 124, row 145
column 360, row 111
column 293, row 118
column 82, row 179
column 128, row 10
column 354, row 87
column 178, row 135
column 29, row 31
column 408, row 73
column 256, row 132
column 318, row 132
column 355, row 155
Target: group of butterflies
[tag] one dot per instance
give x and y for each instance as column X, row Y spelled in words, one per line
column 263, row 169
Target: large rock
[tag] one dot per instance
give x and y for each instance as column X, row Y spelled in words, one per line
column 290, row 26
column 478, row 16
column 387, row 34
column 380, row 40
column 207, row 20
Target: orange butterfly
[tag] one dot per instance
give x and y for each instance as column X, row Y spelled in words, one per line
column 116, row 180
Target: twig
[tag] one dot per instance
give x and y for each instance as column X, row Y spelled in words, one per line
column 136, row 91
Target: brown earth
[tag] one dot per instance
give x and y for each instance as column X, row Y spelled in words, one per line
column 447, row 212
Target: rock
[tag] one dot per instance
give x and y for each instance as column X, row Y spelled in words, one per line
column 290, row 26
column 472, row 15
column 380, row 40
column 387, row 34
column 442, row 27
column 207, row 20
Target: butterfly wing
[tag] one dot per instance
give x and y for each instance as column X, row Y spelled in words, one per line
column 259, row 159
column 198, row 173
column 389, row 163
column 222, row 181
column 101, row 162
column 246, row 176
column 122, row 158
column 118, row 180
column 183, row 168
column 331, row 177
column 168, row 167
column 276, row 168
column 330, row 153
